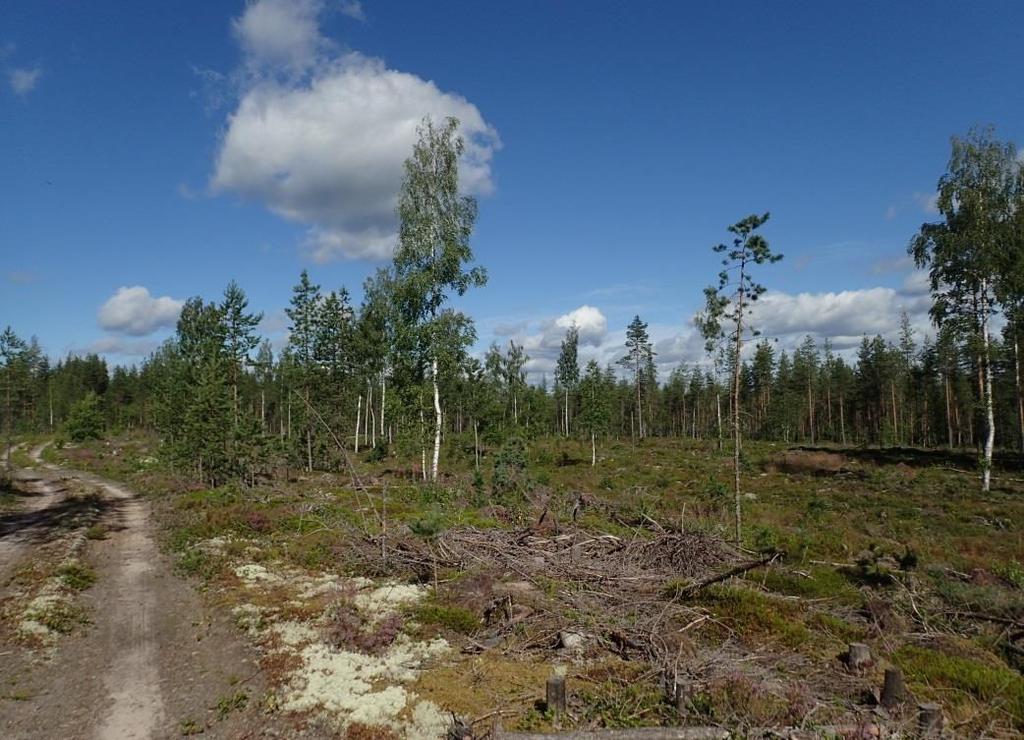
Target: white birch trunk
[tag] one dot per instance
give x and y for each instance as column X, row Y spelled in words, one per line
column 437, row 422
column 359, row 412
column 990, row 422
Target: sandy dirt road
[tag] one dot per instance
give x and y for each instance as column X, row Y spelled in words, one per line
column 154, row 661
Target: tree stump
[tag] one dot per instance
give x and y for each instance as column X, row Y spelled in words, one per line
column 555, row 695
column 894, row 692
column 929, row 719
column 858, row 657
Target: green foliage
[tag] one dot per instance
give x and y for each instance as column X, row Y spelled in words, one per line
column 76, row 575
column 989, row 683
column 429, row 526
column 449, row 617
column 235, row 702
column 86, row 419
column 755, row 615
column 378, row 453
column 1012, row 572
column 510, row 468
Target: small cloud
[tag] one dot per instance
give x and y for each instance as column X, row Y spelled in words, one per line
column 917, row 283
column 281, row 33
column 24, row 81
column 273, row 323
column 119, row 346
column 133, row 311
column 891, row 265
column 510, row 329
column 891, row 213
column 618, row 289
column 928, row 202
column 802, row 261
column 20, row 277
column 186, row 192
column 353, row 9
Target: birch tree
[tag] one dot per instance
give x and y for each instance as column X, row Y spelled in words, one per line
column 568, row 370
column 430, row 263
column 964, row 251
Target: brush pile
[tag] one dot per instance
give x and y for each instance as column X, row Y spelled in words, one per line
column 575, row 590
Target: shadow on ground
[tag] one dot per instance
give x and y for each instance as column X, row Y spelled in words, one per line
column 66, row 513
column 963, row 459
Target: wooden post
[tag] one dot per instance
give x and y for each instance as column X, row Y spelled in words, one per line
column 893, row 690
column 555, row 695
column 858, row 656
column 929, row 719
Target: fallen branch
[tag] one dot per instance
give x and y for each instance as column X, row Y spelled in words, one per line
column 739, row 570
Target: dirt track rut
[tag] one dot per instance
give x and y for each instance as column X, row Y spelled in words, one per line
column 153, row 660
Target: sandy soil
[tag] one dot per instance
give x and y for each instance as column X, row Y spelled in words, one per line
column 155, row 660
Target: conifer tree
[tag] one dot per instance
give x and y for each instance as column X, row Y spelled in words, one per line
column 240, row 336
column 12, row 355
column 639, row 360
column 730, row 303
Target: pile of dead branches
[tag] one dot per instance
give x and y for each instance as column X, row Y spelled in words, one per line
column 579, row 558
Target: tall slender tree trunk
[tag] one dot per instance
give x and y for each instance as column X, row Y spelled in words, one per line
column 810, row 410
column 1016, row 380
column 718, row 410
column 990, row 421
column 895, row 418
column 949, row 411
column 7, row 422
column 828, row 411
column 383, row 397
column 593, row 449
column 437, row 421
column 567, row 411
column 737, row 441
column 359, row 413
column 476, row 443
column 49, row 390
column 639, row 406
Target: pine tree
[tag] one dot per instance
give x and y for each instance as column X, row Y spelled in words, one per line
column 639, row 360
column 730, row 302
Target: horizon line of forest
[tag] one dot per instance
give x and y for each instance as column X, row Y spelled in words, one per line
column 395, row 374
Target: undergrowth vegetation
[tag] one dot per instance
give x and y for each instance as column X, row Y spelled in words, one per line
column 892, row 549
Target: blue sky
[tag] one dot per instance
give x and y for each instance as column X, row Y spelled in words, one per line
column 154, row 151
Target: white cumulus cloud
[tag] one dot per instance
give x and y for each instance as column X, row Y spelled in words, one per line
column 281, row 33
column 133, row 311
column 24, row 81
column 325, row 148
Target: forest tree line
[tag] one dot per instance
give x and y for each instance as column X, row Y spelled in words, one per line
column 394, row 375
